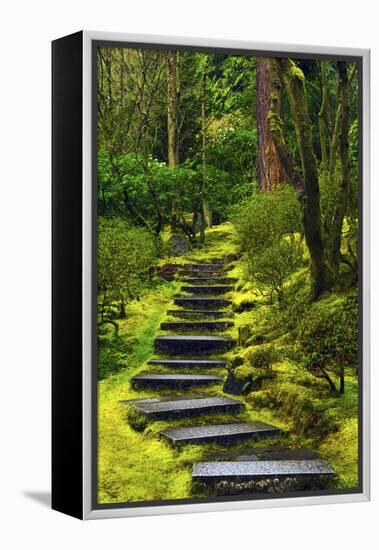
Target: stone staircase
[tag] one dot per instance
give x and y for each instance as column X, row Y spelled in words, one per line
column 204, row 310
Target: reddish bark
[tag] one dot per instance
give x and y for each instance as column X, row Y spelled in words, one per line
column 270, row 169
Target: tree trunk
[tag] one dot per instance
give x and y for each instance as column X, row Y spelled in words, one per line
column 329, row 380
column 323, row 116
column 203, row 207
column 172, row 127
column 122, row 309
column 342, row 382
column 344, row 187
column 270, row 168
column 172, row 110
column 293, row 80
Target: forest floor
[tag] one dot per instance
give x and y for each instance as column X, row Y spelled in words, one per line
column 139, row 466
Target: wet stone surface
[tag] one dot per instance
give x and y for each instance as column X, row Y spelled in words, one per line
column 198, row 302
column 261, row 469
column 196, row 345
column 224, row 433
column 187, row 407
column 188, row 363
column 196, row 326
column 211, row 281
column 198, row 314
column 207, row 289
column 173, row 380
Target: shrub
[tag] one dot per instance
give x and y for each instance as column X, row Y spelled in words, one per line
column 263, row 357
column 274, row 265
column 266, row 217
column 267, row 225
column 328, row 338
column 125, row 255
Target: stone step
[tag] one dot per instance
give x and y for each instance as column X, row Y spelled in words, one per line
column 196, row 345
column 210, row 281
column 188, row 407
column 173, row 380
column 221, row 433
column 197, row 326
column 259, row 470
column 198, row 302
column 206, row 266
column 198, row 313
column 210, row 289
column 204, row 272
column 188, row 363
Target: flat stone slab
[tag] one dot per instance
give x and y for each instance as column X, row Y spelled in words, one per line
column 201, row 273
column 210, row 281
column 247, row 458
column 144, row 400
column 197, row 302
column 174, row 380
column 203, row 289
column 197, row 345
column 290, row 454
column 198, row 313
column 220, row 433
column 188, row 407
column 197, row 326
column 206, row 266
column 187, row 363
column 260, row 469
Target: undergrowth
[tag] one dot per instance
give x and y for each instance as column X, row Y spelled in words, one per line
column 136, row 464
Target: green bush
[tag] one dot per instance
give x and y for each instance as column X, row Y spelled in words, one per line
column 263, row 357
column 328, row 337
column 265, row 218
column 125, row 255
column 267, row 227
column 274, row 264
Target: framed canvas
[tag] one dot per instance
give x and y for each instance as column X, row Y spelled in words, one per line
column 210, row 275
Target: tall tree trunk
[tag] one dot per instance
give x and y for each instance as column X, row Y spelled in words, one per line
column 172, row 109
column 323, row 118
column 293, row 80
column 204, row 206
column 270, row 168
column 172, row 128
column 344, row 187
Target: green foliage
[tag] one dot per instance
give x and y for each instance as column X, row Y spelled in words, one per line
column 274, row 264
column 266, row 217
column 263, row 356
column 328, row 337
column 233, row 150
column 125, row 255
column 266, row 224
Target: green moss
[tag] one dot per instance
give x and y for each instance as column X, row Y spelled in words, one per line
column 341, row 451
column 136, row 463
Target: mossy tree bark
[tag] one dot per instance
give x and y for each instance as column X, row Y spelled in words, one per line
column 270, row 167
column 324, row 116
column 204, row 204
column 324, row 243
column 172, row 127
column 306, row 184
column 342, row 196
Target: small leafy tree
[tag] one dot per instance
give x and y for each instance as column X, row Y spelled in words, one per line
column 263, row 357
column 328, row 337
column 125, row 255
column 274, row 264
column 266, row 226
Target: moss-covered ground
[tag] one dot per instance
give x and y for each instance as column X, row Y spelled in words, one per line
column 140, row 466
